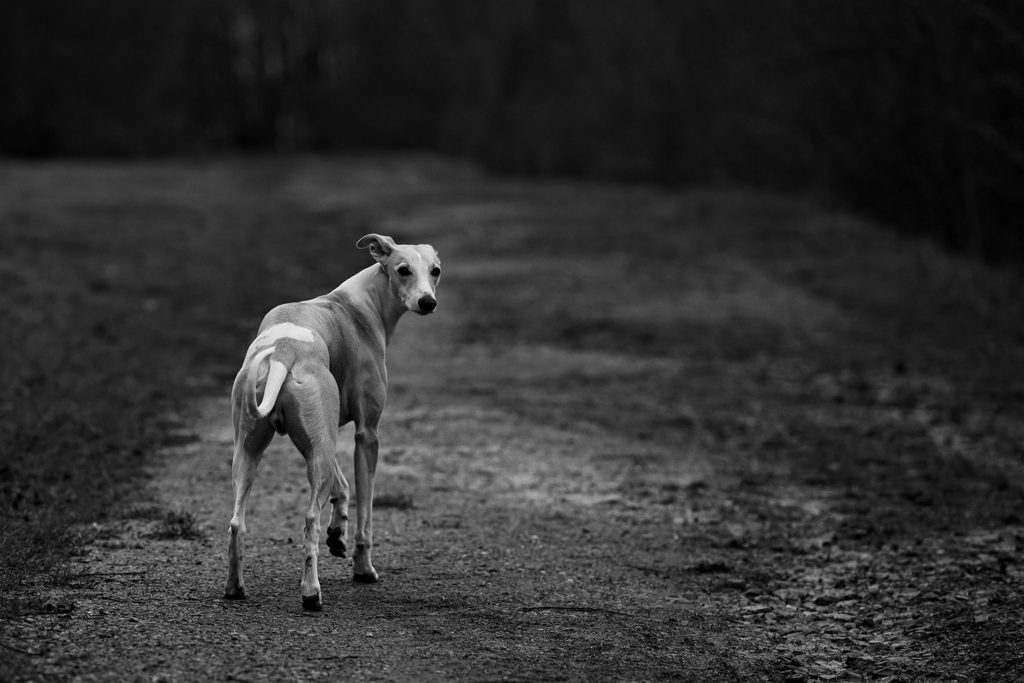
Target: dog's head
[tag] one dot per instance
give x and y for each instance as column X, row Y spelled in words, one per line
column 412, row 269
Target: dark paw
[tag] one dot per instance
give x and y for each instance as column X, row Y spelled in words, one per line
column 335, row 543
column 365, row 578
column 234, row 593
column 312, row 603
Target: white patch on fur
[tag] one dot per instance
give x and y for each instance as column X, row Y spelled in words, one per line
column 284, row 331
column 258, row 358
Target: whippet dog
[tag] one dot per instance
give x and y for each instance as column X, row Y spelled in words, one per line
column 314, row 366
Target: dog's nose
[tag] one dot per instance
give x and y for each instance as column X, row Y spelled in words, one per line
column 427, row 303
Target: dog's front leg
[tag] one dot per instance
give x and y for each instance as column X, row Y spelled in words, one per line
column 365, row 468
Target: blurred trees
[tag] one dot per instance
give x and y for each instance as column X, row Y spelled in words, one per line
column 910, row 109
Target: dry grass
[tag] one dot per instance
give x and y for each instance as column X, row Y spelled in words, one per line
column 178, row 525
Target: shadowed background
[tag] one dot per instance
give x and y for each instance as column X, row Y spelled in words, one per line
column 907, row 110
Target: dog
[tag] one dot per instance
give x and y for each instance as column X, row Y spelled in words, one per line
column 314, row 366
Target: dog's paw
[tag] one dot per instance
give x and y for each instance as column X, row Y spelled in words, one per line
column 312, row 603
column 336, row 543
column 234, row 593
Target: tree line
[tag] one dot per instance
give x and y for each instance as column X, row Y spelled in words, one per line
column 909, row 110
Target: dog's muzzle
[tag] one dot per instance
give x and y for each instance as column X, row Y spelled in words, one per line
column 426, row 304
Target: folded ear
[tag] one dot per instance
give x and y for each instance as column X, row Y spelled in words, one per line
column 380, row 246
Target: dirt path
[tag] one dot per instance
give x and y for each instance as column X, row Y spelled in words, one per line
column 646, row 436
column 506, row 547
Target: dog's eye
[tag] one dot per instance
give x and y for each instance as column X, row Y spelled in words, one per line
column 436, row 272
column 404, row 271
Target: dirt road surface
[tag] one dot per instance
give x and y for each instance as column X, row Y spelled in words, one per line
column 646, row 436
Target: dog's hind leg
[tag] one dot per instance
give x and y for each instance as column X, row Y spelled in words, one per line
column 310, row 409
column 337, row 529
column 250, row 443
column 319, row 470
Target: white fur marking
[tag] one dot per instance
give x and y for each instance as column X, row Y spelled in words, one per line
column 284, row 331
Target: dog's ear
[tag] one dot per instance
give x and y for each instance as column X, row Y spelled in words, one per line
column 380, row 246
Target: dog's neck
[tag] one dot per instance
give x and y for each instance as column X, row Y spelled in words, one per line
column 371, row 289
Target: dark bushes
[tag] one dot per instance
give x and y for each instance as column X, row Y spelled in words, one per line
column 908, row 109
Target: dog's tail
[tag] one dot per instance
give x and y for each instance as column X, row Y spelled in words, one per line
column 275, row 380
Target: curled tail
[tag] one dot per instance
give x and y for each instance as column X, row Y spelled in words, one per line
column 275, row 380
